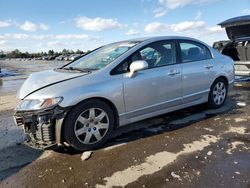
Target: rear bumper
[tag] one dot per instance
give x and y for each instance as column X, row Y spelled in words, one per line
column 242, row 68
column 242, row 73
column 43, row 128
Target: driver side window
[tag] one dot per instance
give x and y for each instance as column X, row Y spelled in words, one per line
column 150, row 55
column 156, row 54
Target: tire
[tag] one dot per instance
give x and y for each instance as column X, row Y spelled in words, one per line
column 218, row 93
column 89, row 125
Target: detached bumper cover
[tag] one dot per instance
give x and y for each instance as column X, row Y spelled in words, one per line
column 42, row 127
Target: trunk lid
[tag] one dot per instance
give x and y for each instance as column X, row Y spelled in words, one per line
column 237, row 28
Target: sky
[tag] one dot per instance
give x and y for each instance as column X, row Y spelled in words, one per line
column 34, row 26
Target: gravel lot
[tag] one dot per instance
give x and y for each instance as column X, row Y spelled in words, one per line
column 194, row 147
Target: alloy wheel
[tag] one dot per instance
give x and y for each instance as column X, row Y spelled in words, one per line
column 91, row 126
column 219, row 93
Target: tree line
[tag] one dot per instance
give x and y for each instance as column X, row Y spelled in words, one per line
column 18, row 54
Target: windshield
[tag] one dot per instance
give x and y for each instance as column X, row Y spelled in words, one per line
column 102, row 56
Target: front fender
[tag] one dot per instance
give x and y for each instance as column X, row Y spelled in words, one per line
column 77, row 90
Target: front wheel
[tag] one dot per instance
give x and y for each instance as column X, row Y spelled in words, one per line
column 218, row 93
column 89, row 125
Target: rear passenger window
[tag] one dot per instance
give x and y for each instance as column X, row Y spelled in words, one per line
column 192, row 51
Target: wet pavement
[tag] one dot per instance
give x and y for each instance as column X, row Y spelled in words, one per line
column 13, row 72
column 194, row 147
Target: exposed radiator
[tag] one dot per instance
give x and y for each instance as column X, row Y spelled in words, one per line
column 45, row 133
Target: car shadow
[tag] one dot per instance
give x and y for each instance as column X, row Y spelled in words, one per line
column 173, row 121
column 14, row 158
column 165, row 123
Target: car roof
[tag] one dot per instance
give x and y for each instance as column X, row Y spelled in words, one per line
column 157, row 38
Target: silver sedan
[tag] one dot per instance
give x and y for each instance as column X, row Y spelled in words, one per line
column 82, row 103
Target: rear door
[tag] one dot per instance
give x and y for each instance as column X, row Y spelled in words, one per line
column 197, row 70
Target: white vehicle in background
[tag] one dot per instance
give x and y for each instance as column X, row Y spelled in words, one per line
column 74, row 57
column 60, row 57
column 238, row 47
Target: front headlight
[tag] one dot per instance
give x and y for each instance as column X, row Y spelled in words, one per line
column 38, row 104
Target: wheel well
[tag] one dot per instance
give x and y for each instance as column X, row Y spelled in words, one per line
column 113, row 108
column 221, row 77
column 109, row 103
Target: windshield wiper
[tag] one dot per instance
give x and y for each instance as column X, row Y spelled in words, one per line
column 78, row 69
column 73, row 69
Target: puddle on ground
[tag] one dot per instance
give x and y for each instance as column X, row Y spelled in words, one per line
column 7, row 73
column 10, row 81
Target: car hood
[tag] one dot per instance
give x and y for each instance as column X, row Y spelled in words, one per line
column 237, row 28
column 39, row 80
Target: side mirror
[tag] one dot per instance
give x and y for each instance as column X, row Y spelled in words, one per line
column 136, row 66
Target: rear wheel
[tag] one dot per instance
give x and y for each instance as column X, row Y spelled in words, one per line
column 89, row 125
column 218, row 93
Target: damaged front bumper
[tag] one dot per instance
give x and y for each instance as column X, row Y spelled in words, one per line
column 43, row 127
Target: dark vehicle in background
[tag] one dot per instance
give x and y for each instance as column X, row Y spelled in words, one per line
column 238, row 45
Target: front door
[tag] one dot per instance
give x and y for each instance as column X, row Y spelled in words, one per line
column 159, row 86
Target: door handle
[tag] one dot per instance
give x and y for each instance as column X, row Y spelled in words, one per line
column 209, row 66
column 173, row 73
